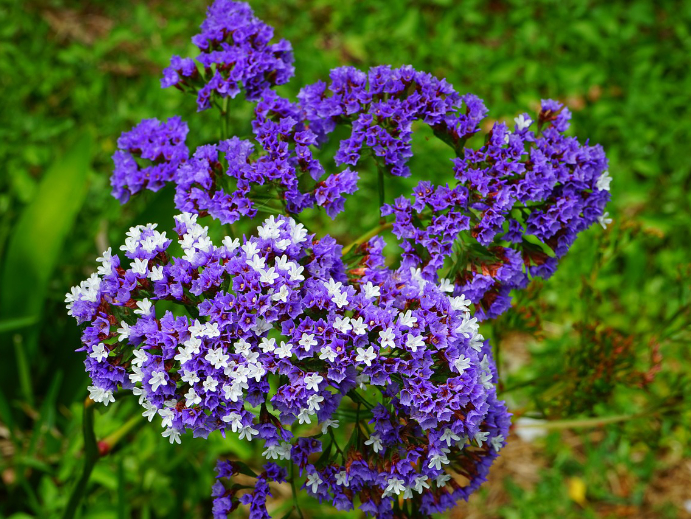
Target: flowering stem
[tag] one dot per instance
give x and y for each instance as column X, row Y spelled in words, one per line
column 294, row 489
column 367, row 236
column 224, row 118
column 382, row 198
column 91, row 456
column 333, row 439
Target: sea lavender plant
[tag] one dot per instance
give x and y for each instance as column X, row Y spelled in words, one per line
column 365, row 378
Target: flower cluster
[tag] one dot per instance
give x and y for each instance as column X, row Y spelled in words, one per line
column 148, row 156
column 280, row 309
column 235, row 54
column 371, row 382
column 519, row 184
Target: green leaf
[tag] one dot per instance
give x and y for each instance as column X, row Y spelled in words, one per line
column 35, row 245
column 9, row 325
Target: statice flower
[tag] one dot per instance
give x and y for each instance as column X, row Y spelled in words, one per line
column 523, row 196
column 235, row 55
column 281, row 309
column 148, row 156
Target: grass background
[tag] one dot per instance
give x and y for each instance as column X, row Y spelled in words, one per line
column 606, row 337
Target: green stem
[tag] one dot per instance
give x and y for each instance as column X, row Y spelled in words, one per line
column 333, row 439
column 294, row 489
column 382, row 198
column 91, row 456
column 23, row 369
column 224, row 118
column 367, row 236
column 113, row 438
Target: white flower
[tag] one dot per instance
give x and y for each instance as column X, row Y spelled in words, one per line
column 143, row 307
column 438, row 460
column 158, row 378
column 413, row 342
column 183, row 356
column 192, row 398
column 100, row 352
column 217, row 358
column 281, row 295
column 361, row 380
column 284, row 351
column 257, row 263
column 123, row 331
column 235, row 421
column 329, row 423
column 420, row 484
column 407, row 319
column 326, row 353
column 387, row 338
column 267, row 345
column 313, row 480
column 477, row 341
column 522, row 122
column 304, row 416
column 156, row 274
column 604, row 181
column 481, row 437
column 342, row 324
column 449, row 436
column 296, row 272
column 359, row 326
column 136, row 375
column 445, row 285
column 333, row 287
column 298, row 233
column 375, row 441
column 150, row 410
column 172, row 434
column 340, row 300
column 139, row 266
column 106, row 263
column 371, row 291
column 230, row 244
column 268, row 276
column 312, row 381
column 283, row 263
column 442, row 480
column 307, row 341
column 461, row 363
column 366, row 356
column 167, row 416
column 242, row 347
column 193, row 345
column 395, row 486
column 342, row 478
column 460, row 303
column 211, row 330
column 604, row 221
column 468, row 326
column 497, row 442
column 507, row 137
column 190, row 377
column 248, row 432
column 314, row 401
column 269, row 230
column 210, row 385
column 271, row 452
column 98, row 394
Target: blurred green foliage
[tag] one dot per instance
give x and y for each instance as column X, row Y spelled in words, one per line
column 75, row 74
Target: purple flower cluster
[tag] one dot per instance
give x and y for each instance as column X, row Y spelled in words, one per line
column 204, row 186
column 235, row 54
column 381, row 106
column 281, row 310
column 148, row 156
column 518, row 184
column 372, row 383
